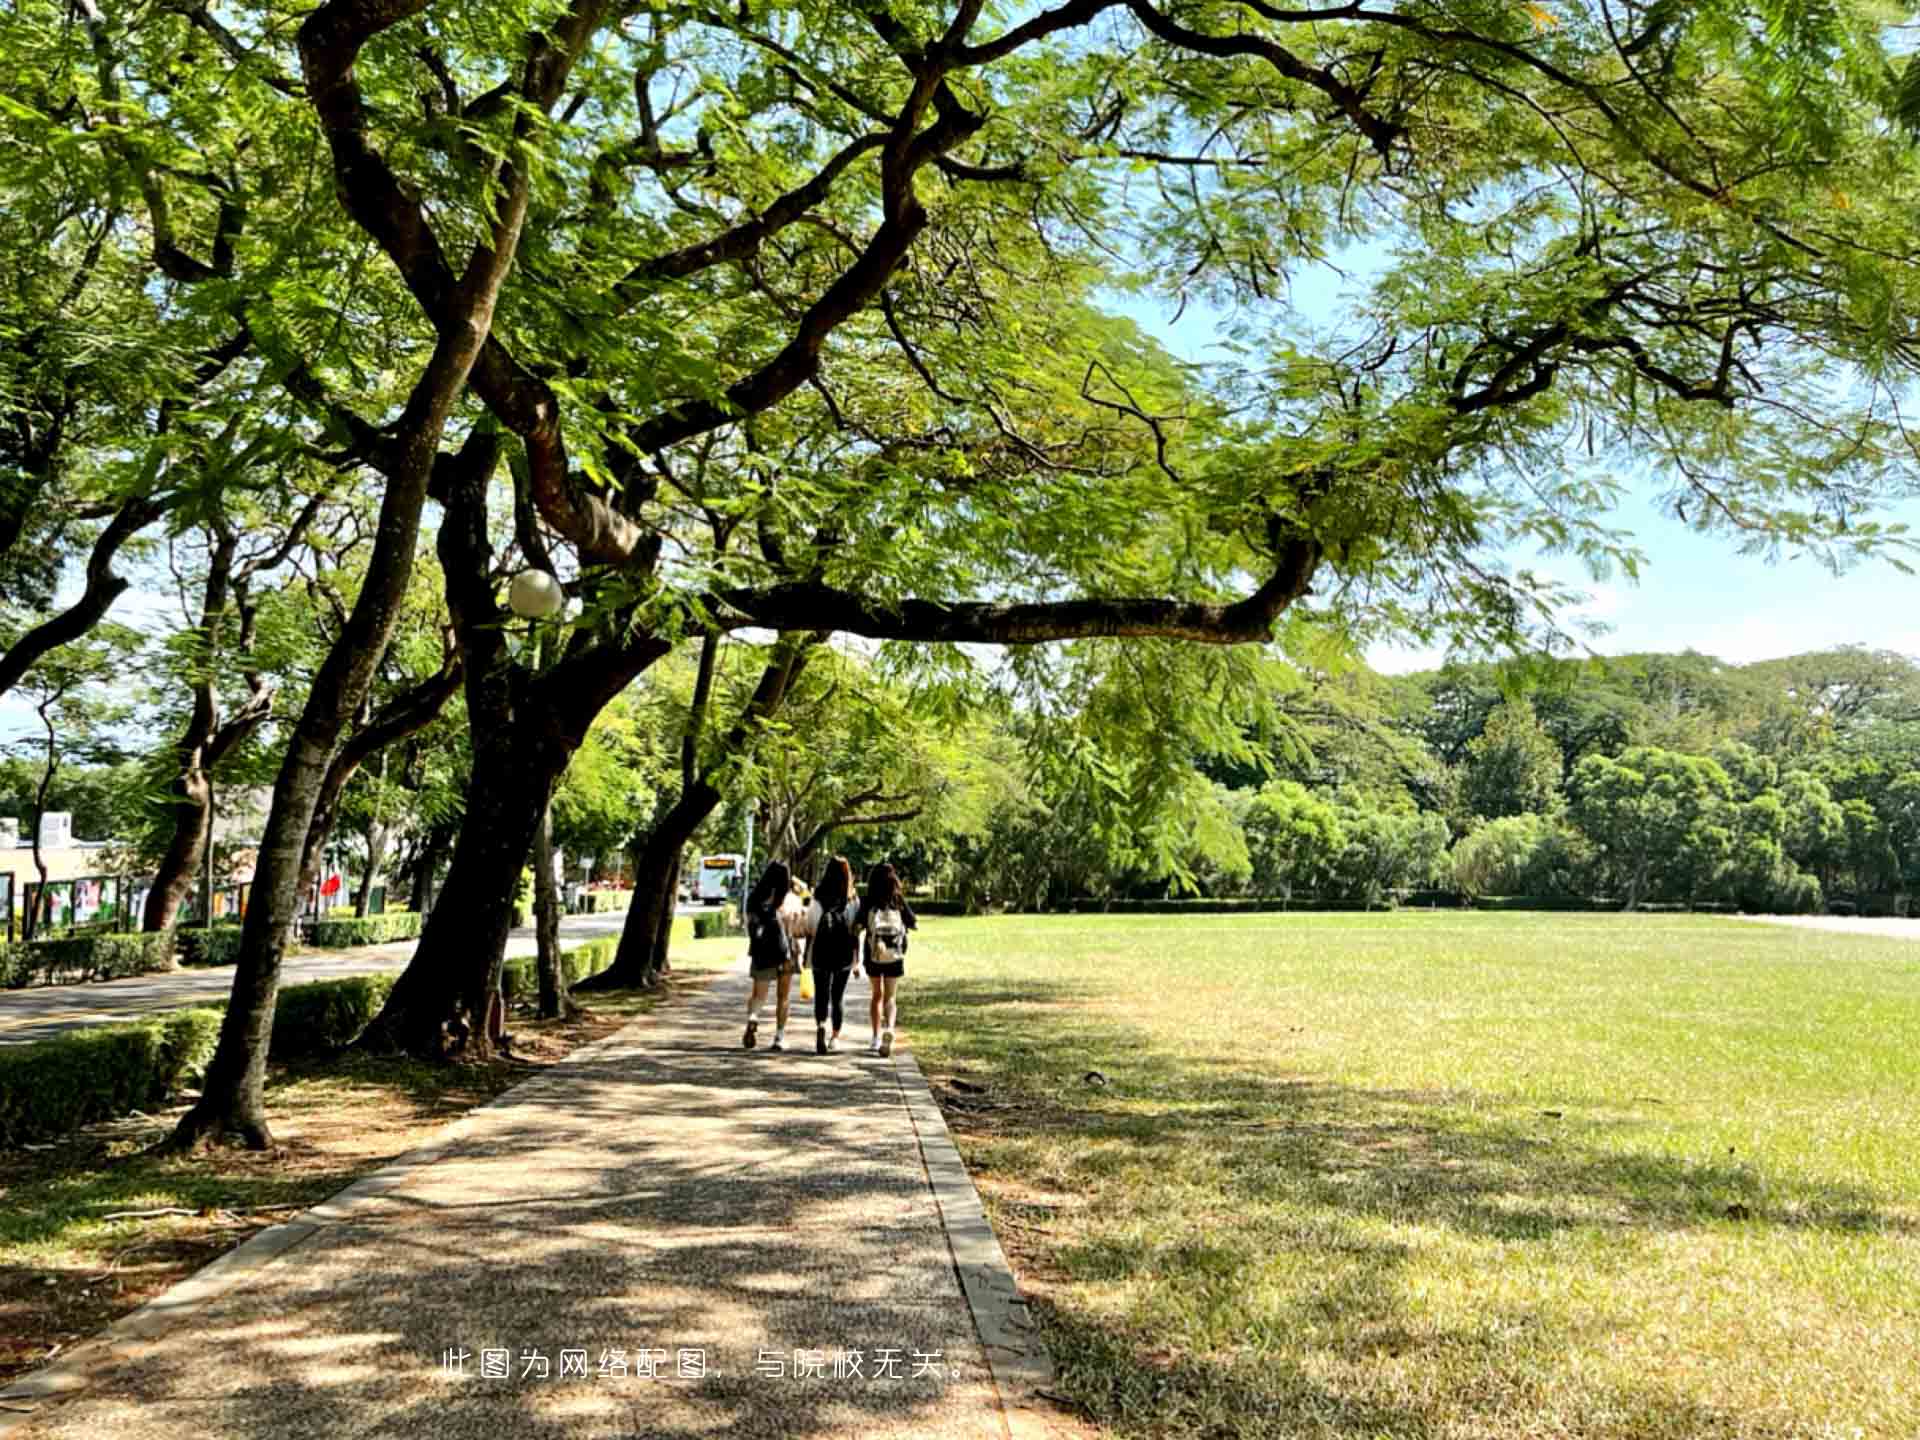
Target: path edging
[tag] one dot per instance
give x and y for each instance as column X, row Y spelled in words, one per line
column 1018, row 1361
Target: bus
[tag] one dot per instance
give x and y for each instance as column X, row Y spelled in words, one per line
column 720, row 878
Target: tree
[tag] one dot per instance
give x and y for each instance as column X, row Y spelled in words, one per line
column 883, row 230
column 407, row 454
column 1653, row 812
column 1512, row 766
column 223, row 639
column 1294, row 839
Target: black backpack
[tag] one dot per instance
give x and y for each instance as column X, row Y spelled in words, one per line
column 767, row 944
column 833, row 941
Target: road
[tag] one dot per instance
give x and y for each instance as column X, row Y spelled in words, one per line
column 43, row 1010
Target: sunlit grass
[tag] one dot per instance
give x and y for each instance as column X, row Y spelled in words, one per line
column 1447, row 1174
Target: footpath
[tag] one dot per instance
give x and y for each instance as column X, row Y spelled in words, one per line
column 36, row 1012
column 662, row 1236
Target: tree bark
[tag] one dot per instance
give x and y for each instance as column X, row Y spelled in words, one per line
column 525, row 729
column 554, row 1000
column 103, row 587
column 656, row 865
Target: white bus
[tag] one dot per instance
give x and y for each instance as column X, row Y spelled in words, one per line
column 720, row 878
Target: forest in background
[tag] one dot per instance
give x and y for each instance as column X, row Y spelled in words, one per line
column 1783, row 785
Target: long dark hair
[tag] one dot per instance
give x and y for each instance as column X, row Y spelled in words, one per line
column 883, row 889
column 836, row 885
column 775, row 881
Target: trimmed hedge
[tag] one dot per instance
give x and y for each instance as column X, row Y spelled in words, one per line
column 325, row 1015
column 520, row 978
column 104, row 956
column 366, row 930
column 49, row 1087
column 201, row 946
column 710, row 923
column 605, row 902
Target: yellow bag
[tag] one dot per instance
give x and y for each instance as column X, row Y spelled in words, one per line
column 806, row 983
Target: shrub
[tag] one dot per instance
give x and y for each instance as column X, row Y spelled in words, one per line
column 366, row 930
column 605, row 902
column 49, row 1087
column 520, row 978
column 200, row 946
column 78, row 958
column 325, row 1015
column 710, row 923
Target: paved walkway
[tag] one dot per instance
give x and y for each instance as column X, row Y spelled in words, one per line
column 662, row 1191
column 1887, row 928
column 38, row 1011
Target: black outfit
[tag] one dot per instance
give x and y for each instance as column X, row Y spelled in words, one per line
column 832, row 956
column 830, row 986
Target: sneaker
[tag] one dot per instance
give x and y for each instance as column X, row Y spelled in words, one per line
column 873, row 1046
column 779, row 1040
column 749, row 1039
column 833, row 1045
column 886, row 1044
column 819, row 1039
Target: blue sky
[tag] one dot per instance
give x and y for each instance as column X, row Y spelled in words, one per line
column 1694, row 592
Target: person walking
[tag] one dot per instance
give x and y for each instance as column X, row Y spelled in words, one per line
column 833, row 950
column 884, row 920
column 769, row 952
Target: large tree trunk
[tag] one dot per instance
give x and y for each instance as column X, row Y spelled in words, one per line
column 656, row 867
column 455, row 974
column 525, row 728
column 424, row 870
column 645, row 937
column 180, row 865
column 554, row 1000
column 232, row 1102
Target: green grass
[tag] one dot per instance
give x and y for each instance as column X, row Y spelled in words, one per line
column 1447, row 1174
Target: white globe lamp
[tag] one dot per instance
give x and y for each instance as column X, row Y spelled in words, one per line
column 536, row 595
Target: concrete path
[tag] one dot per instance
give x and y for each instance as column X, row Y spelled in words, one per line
column 1887, row 928
column 663, row 1200
column 42, row 1010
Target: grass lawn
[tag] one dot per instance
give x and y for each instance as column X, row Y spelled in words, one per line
column 66, row 1270
column 1442, row 1174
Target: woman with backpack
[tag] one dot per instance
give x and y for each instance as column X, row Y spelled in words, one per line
column 832, row 950
column 885, row 919
column 769, row 951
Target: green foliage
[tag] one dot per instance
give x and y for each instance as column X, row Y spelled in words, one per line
column 79, row 958
column 326, row 1015
column 710, row 924
column 338, row 934
column 605, row 902
column 203, row 945
column 1512, row 765
column 49, row 1087
column 520, row 978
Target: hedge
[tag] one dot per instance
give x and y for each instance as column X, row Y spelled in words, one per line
column 330, row 934
column 520, row 978
column 201, row 946
column 49, row 1087
column 605, row 902
column 104, row 956
column 709, row 923
column 325, row 1015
